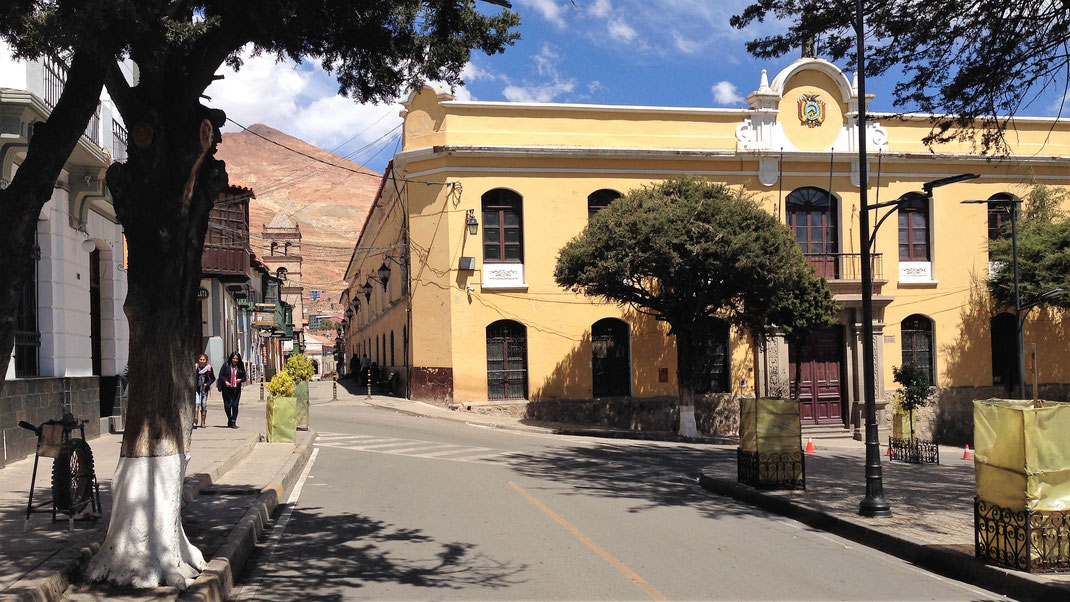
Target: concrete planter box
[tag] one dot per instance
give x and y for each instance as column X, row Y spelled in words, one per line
column 282, row 419
column 770, row 455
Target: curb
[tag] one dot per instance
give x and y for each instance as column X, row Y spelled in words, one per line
column 217, row 579
column 943, row 561
column 51, row 579
column 465, row 418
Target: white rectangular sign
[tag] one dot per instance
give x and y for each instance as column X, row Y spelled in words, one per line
column 915, row 271
column 503, row 275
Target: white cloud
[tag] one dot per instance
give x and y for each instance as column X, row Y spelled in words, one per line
column 619, row 30
column 549, row 9
column 725, row 93
column 546, row 62
column 683, row 44
column 601, row 8
column 301, row 101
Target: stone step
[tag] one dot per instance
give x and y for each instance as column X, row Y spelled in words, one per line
column 827, row 432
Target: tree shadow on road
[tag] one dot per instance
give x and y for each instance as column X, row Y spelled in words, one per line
column 329, row 554
column 652, row 475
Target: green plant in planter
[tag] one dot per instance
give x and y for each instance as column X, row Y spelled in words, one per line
column 915, row 393
column 281, row 385
column 299, row 366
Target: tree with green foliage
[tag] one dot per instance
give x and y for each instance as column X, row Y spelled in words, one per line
column 974, row 65
column 166, row 188
column 916, row 391
column 1043, row 252
column 687, row 251
column 299, row 366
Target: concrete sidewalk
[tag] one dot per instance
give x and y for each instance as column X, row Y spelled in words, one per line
column 231, row 476
column 932, row 505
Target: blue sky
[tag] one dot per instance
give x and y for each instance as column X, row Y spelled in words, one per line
column 633, row 52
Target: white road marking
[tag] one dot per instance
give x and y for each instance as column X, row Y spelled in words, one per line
column 411, row 448
column 248, row 592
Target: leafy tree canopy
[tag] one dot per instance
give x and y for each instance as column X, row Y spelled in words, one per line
column 375, row 49
column 1043, row 252
column 687, row 250
column 973, row 64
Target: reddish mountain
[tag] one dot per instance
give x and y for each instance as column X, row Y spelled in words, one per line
column 329, row 203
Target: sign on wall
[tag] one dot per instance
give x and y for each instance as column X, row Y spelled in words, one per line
column 503, row 275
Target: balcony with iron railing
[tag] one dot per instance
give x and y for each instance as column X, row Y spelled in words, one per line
column 844, row 266
column 55, row 78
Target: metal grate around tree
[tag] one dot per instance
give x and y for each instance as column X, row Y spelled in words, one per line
column 914, row 450
column 1027, row 540
column 771, row 470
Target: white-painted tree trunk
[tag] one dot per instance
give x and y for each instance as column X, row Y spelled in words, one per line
column 146, row 545
column 688, row 425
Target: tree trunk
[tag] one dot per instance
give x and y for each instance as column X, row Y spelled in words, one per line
column 32, row 186
column 163, row 196
column 685, row 377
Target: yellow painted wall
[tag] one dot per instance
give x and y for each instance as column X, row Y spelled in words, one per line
column 523, row 148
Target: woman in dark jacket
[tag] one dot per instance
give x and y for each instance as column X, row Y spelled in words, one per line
column 231, row 377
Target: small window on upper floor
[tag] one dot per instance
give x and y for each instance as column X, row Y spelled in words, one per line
column 914, row 230
column 599, row 200
column 503, row 227
column 999, row 216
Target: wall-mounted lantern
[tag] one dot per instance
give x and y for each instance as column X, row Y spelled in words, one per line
column 470, row 221
column 384, row 274
column 349, row 314
column 367, row 290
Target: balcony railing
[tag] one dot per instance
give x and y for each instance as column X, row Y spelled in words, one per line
column 55, row 78
column 844, row 266
column 218, row 260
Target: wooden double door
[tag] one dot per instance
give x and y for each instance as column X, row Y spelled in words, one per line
column 820, row 367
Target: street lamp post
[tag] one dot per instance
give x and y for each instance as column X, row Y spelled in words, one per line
column 873, row 504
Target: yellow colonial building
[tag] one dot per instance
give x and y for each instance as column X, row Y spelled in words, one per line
column 451, row 281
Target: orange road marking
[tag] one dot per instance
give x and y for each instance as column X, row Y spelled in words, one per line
column 620, row 566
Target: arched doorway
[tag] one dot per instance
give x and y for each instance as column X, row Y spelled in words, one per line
column 812, row 216
column 820, row 366
column 611, row 371
column 507, row 360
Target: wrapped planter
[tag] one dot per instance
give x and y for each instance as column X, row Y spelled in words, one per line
column 301, row 392
column 1022, row 464
column 282, row 419
column 770, row 455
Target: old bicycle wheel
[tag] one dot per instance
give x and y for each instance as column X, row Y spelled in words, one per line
column 72, row 476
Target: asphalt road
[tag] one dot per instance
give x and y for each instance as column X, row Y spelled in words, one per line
column 394, row 507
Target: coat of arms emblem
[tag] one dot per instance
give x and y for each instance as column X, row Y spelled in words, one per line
column 811, row 110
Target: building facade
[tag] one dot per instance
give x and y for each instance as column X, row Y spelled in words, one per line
column 471, row 213
column 72, row 336
column 284, row 260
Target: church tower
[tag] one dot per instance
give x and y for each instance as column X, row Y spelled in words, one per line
column 283, row 237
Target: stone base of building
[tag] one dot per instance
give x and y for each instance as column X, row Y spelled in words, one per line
column 716, row 414
column 36, row 400
column 431, row 384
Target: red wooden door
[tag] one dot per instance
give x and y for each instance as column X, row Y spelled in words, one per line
column 820, row 387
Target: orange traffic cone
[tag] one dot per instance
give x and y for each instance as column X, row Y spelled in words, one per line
column 966, row 455
column 810, row 445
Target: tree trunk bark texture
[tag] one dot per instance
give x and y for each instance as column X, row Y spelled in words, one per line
column 685, row 376
column 31, row 187
column 163, row 196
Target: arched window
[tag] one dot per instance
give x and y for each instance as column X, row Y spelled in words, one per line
column 507, row 360
column 1000, row 206
column 377, row 359
column 914, row 230
column 503, row 231
column 281, row 274
column 713, row 373
column 1004, row 350
column 599, row 200
column 611, row 371
column 812, row 216
column 392, row 348
column 286, row 248
column 274, row 245
column 918, row 344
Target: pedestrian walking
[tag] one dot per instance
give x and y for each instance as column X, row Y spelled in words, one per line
column 365, row 365
column 231, row 377
column 205, row 378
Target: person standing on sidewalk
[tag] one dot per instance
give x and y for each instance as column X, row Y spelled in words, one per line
column 231, row 377
column 205, row 378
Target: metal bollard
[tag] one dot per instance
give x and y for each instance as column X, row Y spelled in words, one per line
column 261, row 388
column 335, row 385
column 369, row 384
